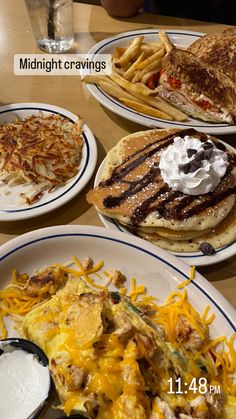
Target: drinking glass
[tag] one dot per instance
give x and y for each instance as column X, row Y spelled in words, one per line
column 52, row 24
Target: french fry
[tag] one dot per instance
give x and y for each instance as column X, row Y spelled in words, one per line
column 118, row 52
column 108, row 86
column 114, row 90
column 148, row 75
column 156, row 44
column 155, row 65
column 163, row 106
column 131, row 52
column 93, row 78
column 150, row 48
column 131, row 70
column 149, row 60
column 130, row 87
column 118, row 70
column 148, row 110
column 166, row 41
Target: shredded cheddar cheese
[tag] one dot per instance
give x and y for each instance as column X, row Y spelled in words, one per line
column 191, row 277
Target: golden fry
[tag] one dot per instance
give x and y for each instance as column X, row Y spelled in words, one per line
column 92, row 78
column 130, row 87
column 161, row 104
column 150, row 48
column 156, row 44
column 114, row 90
column 148, row 110
column 155, row 65
column 158, row 54
column 118, row 52
column 148, row 75
column 118, row 70
column 166, row 41
column 131, row 52
column 130, row 72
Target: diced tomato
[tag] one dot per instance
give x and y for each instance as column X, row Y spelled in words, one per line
column 203, row 104
column 153, row 80
column 175, row 83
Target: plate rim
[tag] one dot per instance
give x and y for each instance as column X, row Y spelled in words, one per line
column 125, row 112
column 81, row 179
column 201, row 283
column 197, row 260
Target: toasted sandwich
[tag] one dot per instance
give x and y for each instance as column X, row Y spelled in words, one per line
column 196, row 88
column 230, row 31
column 219, row 50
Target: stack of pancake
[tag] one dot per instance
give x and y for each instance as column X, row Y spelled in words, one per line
column 133, row 192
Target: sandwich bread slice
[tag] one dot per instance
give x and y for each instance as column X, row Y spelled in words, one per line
column 196, row 88
column 218, row 50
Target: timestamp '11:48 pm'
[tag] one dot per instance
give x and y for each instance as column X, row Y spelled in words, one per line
column 197, row 385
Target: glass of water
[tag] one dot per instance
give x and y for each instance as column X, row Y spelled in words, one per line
column 52, row 24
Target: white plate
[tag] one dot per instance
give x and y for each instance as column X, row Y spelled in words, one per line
column 9, row 208
column 181, row 39
column 159, row 271
column 194, row 258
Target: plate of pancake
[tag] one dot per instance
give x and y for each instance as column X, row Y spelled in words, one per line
column 131, row 195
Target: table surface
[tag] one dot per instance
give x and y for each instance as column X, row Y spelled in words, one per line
column 92, row 24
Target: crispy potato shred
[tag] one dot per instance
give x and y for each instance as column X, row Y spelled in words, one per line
column 42, row 152
column 129, row 350
column 134, row 81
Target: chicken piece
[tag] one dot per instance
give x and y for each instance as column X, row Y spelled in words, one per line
column 162, row 407
column 92, row 405
column 130, row 367
column 199, row 408
column 128, row 406
column 215, row 400
column 46, row 282
column 146, row 344
column 159, row 328
column 118, row 279
column 126, row 331
column 77, row 376
column 187, row 335
column 87, row 263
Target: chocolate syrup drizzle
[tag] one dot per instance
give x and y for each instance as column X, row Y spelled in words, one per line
column 182, row 208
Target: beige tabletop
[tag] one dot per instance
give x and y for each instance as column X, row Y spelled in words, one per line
column 92, row 24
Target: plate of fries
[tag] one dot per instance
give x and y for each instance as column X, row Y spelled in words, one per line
column 130, row 90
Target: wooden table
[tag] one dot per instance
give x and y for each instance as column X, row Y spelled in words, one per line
column 92, row 24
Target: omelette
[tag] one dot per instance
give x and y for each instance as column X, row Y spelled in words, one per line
column 109, row 361
column 133, row 191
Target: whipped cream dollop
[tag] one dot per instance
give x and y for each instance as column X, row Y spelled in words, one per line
column 191, row 166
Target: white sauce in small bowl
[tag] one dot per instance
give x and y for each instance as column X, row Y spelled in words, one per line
column 24, row 384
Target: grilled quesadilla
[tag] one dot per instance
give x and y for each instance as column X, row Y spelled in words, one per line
column 198, row 89
column 132, row 189
column 218, row 50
